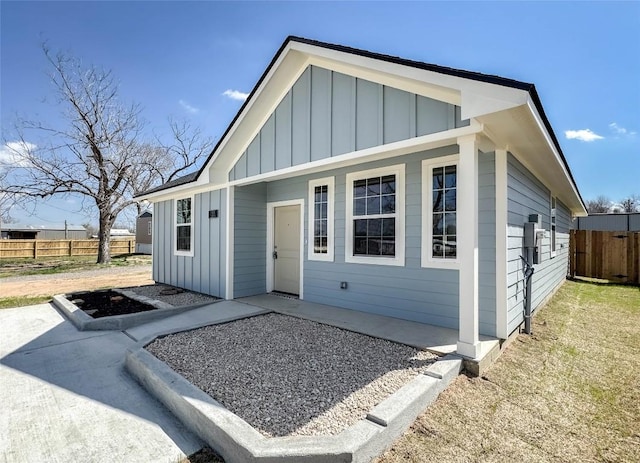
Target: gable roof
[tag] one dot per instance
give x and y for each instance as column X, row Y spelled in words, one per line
column 529, row 88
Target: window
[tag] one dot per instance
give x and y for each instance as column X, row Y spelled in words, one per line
column 375, row 216
column 149, row 228
column 184, row 225
column 440, row 212
column 553, row 226
column 321, row 219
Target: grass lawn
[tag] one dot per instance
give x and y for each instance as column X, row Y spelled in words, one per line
column 21, row 301
column 568, row 393
column 49, row 265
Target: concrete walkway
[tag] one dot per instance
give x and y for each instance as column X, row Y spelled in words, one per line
column 66, row 396
column 433, row 338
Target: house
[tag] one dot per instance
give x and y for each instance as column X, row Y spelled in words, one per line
column 378, row 184
column 144, row 234
column 17, row 231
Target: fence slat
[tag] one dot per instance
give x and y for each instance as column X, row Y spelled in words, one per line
column 613, row 256
column 59, row 248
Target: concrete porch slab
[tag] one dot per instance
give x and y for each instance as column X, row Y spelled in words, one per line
column 441, row 341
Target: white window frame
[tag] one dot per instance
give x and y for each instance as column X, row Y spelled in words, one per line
column 427, row 211
column 553, row 225
column 149, row 225
column 311, row 254
column 176, row 225
column 398, row 260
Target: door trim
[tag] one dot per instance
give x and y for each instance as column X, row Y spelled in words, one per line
column 270, row 237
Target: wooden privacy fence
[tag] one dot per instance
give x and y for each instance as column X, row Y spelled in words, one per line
column 60, row 248
column 613, row 256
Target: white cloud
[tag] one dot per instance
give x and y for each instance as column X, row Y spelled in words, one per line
column 13, row 153
column 618, row 130
column 187, row 107
column 582, row 135
column 235, row 95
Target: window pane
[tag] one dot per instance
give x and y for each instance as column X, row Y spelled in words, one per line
column 388, row 247
column 438, row 201
column 360, row 227
column 373, row 205
column 183, row 241
column 388, row 184
column 388, row 204
column 360, row 206
column 438, row 178
column 438, row 225
column 389, row 228
column 438, row 246
column 450, row 176
column 323, row 210
column 450, row 223
column 317, row 194
column 317, row 228
column 359, row 246
column 359, row 188
column 450, row 247
column 450, row 200
column 373, row 186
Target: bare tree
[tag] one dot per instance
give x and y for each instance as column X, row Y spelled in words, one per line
column 631, row 204
column 599, row 205
column 97, row 152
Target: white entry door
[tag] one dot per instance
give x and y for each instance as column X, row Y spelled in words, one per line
column 286, row 249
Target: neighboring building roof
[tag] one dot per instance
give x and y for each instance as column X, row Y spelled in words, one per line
column 145, row 214
column 476, row 76
column 120, row 232
column 26, row 227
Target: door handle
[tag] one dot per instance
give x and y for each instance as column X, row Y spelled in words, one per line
column 275, row 254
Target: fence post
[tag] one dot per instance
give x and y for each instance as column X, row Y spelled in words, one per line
column 70, row 248
column 35, row 249
column 129, row 246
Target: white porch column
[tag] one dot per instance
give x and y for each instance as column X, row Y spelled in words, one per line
column 467, row 244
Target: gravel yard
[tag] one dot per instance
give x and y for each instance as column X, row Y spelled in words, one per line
column 288, row 376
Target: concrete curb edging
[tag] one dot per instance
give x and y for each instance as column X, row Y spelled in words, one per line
column 237, row 441
column 85, row 322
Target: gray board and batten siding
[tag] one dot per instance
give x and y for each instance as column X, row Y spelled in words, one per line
column 205, row 272
column 527, row 195
column 327, row 114
column 410, row 292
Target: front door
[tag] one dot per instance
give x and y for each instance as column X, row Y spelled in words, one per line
column 286, row 249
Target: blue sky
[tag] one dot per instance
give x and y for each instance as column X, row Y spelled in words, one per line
column 179, row 58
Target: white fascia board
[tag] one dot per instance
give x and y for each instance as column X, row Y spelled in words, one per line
column 547, row 136
column 399, row 148
column 182, row 191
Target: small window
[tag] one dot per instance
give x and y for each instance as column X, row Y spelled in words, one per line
column 184, row 225
column 375, row 216
column 321, row 219
column 440, row 212
column 149, row 228
column 553, row 226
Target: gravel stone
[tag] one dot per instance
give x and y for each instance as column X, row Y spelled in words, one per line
column 181, row 299
column 289, row 376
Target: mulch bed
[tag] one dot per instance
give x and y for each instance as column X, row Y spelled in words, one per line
column 107, row 303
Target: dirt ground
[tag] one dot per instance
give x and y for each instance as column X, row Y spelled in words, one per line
column 59, row 283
